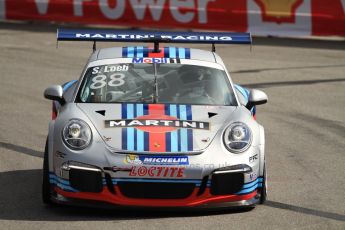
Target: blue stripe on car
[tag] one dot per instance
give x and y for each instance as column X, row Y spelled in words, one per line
column 174, row 134
column 130, row 52
column 184, row 135
column 140, row 51
column 124, row 130
column 172, row 52
column 61, row 183
column 190, row 131
column 247, row 190
column 181, row 52
column 68, row 84
column 130, row 131
column 140, row 133
column 143, row 52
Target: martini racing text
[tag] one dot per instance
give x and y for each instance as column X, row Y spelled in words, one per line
column 106, row 36
column 157, row 123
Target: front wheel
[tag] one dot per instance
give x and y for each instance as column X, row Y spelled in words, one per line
column 46, row 185
column 263, row 191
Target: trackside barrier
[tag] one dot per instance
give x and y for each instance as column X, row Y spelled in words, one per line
column 260, row 17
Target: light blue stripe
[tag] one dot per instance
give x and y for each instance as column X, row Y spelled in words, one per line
column 140, row 133
column 68, row 85
column 130, row 111
column 62, row 186
column 181, row 53
column 130, row 131
column 149, row 180
column 260, row 185
column 184, row 140
column 250, row 184
column 58, row 179
column 173, row 111
column 183, row 112
column 184, row 133
column 130, row 52
column 140, row 109
column 62, row 181
column 140, row 51
column 52, row 176
column 172, row 52
column 130, row 139
column 260, row 179
column 248, row 190
column 173, row 139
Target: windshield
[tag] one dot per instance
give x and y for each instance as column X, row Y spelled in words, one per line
column 156, row 83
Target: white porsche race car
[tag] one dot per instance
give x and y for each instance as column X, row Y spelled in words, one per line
column 154, row 126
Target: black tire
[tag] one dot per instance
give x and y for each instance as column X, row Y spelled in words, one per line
column 45, row 184
column 263, row 191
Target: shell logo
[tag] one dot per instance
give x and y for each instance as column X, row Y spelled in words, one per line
column 279, row 11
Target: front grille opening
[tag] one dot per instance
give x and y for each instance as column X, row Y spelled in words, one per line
column 85, row 180
column 226, row 183
column 153, row 190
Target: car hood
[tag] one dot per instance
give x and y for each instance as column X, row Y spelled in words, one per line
column 157, row 128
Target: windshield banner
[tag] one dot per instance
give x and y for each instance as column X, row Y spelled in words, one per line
column 260, row 17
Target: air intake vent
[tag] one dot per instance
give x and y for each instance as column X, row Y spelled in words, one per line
column 152, row 190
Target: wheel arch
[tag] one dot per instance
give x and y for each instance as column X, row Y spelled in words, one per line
column 51, row 145
column 262, row 149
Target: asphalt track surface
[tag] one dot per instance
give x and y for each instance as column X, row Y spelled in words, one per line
column 304, row 122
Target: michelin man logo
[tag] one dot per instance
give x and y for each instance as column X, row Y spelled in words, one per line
column 156, row 160
column 133, row 159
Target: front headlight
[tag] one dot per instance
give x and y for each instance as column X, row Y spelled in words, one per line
column 76, row 134
column 237, row 137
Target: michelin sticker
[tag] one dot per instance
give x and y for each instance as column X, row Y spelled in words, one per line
column 156, row 160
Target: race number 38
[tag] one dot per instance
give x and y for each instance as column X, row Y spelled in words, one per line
column 99, row 81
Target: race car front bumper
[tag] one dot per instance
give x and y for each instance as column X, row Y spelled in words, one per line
column 224, row 187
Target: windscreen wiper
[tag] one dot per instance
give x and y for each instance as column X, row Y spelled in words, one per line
column 155, row 86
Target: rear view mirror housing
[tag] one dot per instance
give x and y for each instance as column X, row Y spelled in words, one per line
column 54, row 93
column 256, row 97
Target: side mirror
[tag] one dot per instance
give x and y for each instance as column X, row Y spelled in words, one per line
column 256, row 97
column 54, row 93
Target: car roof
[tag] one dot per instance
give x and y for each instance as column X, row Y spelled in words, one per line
column 146, row 52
